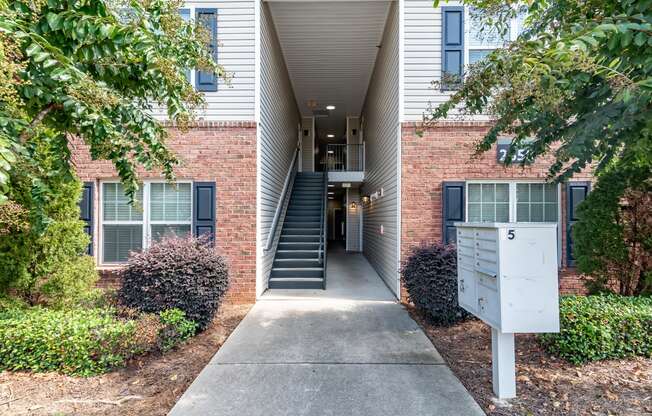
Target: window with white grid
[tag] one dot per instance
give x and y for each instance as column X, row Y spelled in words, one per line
column 161, row 209
column 512, row 202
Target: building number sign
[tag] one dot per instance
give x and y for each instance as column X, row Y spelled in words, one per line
column 503, row 151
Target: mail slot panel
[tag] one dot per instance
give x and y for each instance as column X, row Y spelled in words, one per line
column 487, row 280
column 466, row 251
column 465, row 232
column 486, row 245
column 486, row 256
column 488, row 305
column 466, row 261
column 484, row 234
column 467, row 288
column 486, row 267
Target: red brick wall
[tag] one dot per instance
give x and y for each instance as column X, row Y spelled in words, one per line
column 224, row 152
column 443, row 153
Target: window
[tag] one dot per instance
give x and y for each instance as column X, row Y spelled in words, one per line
column 488, row 202
column 162, row 209
column 465, row 41
column 512, row 202
column 482, row 40
column 536, row 202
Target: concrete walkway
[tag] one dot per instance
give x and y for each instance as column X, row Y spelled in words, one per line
column 349, row 350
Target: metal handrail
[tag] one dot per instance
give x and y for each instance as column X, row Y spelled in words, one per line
column 323, row 246
column 289, row 178
column 344, row 157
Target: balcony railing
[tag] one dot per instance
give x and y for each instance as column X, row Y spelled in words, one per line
column 343, row 158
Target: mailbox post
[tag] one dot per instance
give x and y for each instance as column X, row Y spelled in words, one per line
column 507, row 277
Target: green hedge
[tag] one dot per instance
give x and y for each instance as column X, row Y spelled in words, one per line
column 84, row 341
column 602, row 327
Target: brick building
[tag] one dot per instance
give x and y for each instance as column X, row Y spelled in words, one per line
column 314, row 142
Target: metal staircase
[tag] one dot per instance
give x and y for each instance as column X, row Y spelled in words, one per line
column 300, row 261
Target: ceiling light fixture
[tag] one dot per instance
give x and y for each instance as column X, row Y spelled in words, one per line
column 330, row 107
column 330, row 136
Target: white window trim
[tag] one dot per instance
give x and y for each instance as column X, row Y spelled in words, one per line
column 513, row 28
column 145, row 222
column 513, row 203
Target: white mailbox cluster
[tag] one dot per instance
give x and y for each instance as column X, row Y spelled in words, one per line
column 507, row 276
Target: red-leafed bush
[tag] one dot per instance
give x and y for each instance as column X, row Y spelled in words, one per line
column 430, row 277
column 183, row 273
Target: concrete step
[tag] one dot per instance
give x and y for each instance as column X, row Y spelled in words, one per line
column 293, row 283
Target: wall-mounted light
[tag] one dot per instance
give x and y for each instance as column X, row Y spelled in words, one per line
column 330, row 107
column 365, row 199
column 354, row 206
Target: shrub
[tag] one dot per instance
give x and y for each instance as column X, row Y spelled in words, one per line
column 75, row 341
column 613, row 237
column 430, row 277
column 602, row 327
column 42, row 243
column 177, row 329
column 84, row 342
column 183, row 273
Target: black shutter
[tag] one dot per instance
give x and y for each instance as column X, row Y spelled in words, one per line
column 203, row 218
column 86, row 212
column 207, row 81
column 452, row 203
column 452, row 46
column 575, row 193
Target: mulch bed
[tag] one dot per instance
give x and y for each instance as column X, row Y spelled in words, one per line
column 545, row 385
column 149, row 385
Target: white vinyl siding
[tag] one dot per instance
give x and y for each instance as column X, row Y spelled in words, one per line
column 381, row 135
column 236, row 52
column 423, row 57
column 278, row 135
column 161, row 209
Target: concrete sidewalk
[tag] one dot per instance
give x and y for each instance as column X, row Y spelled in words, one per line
column 349, row 350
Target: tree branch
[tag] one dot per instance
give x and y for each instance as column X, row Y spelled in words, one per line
column 38, row 119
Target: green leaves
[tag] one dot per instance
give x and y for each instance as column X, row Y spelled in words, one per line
column 98, row 75
column 602, row 327
column 576, row 81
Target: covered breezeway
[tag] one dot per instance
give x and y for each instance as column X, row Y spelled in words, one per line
column 340, row 59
